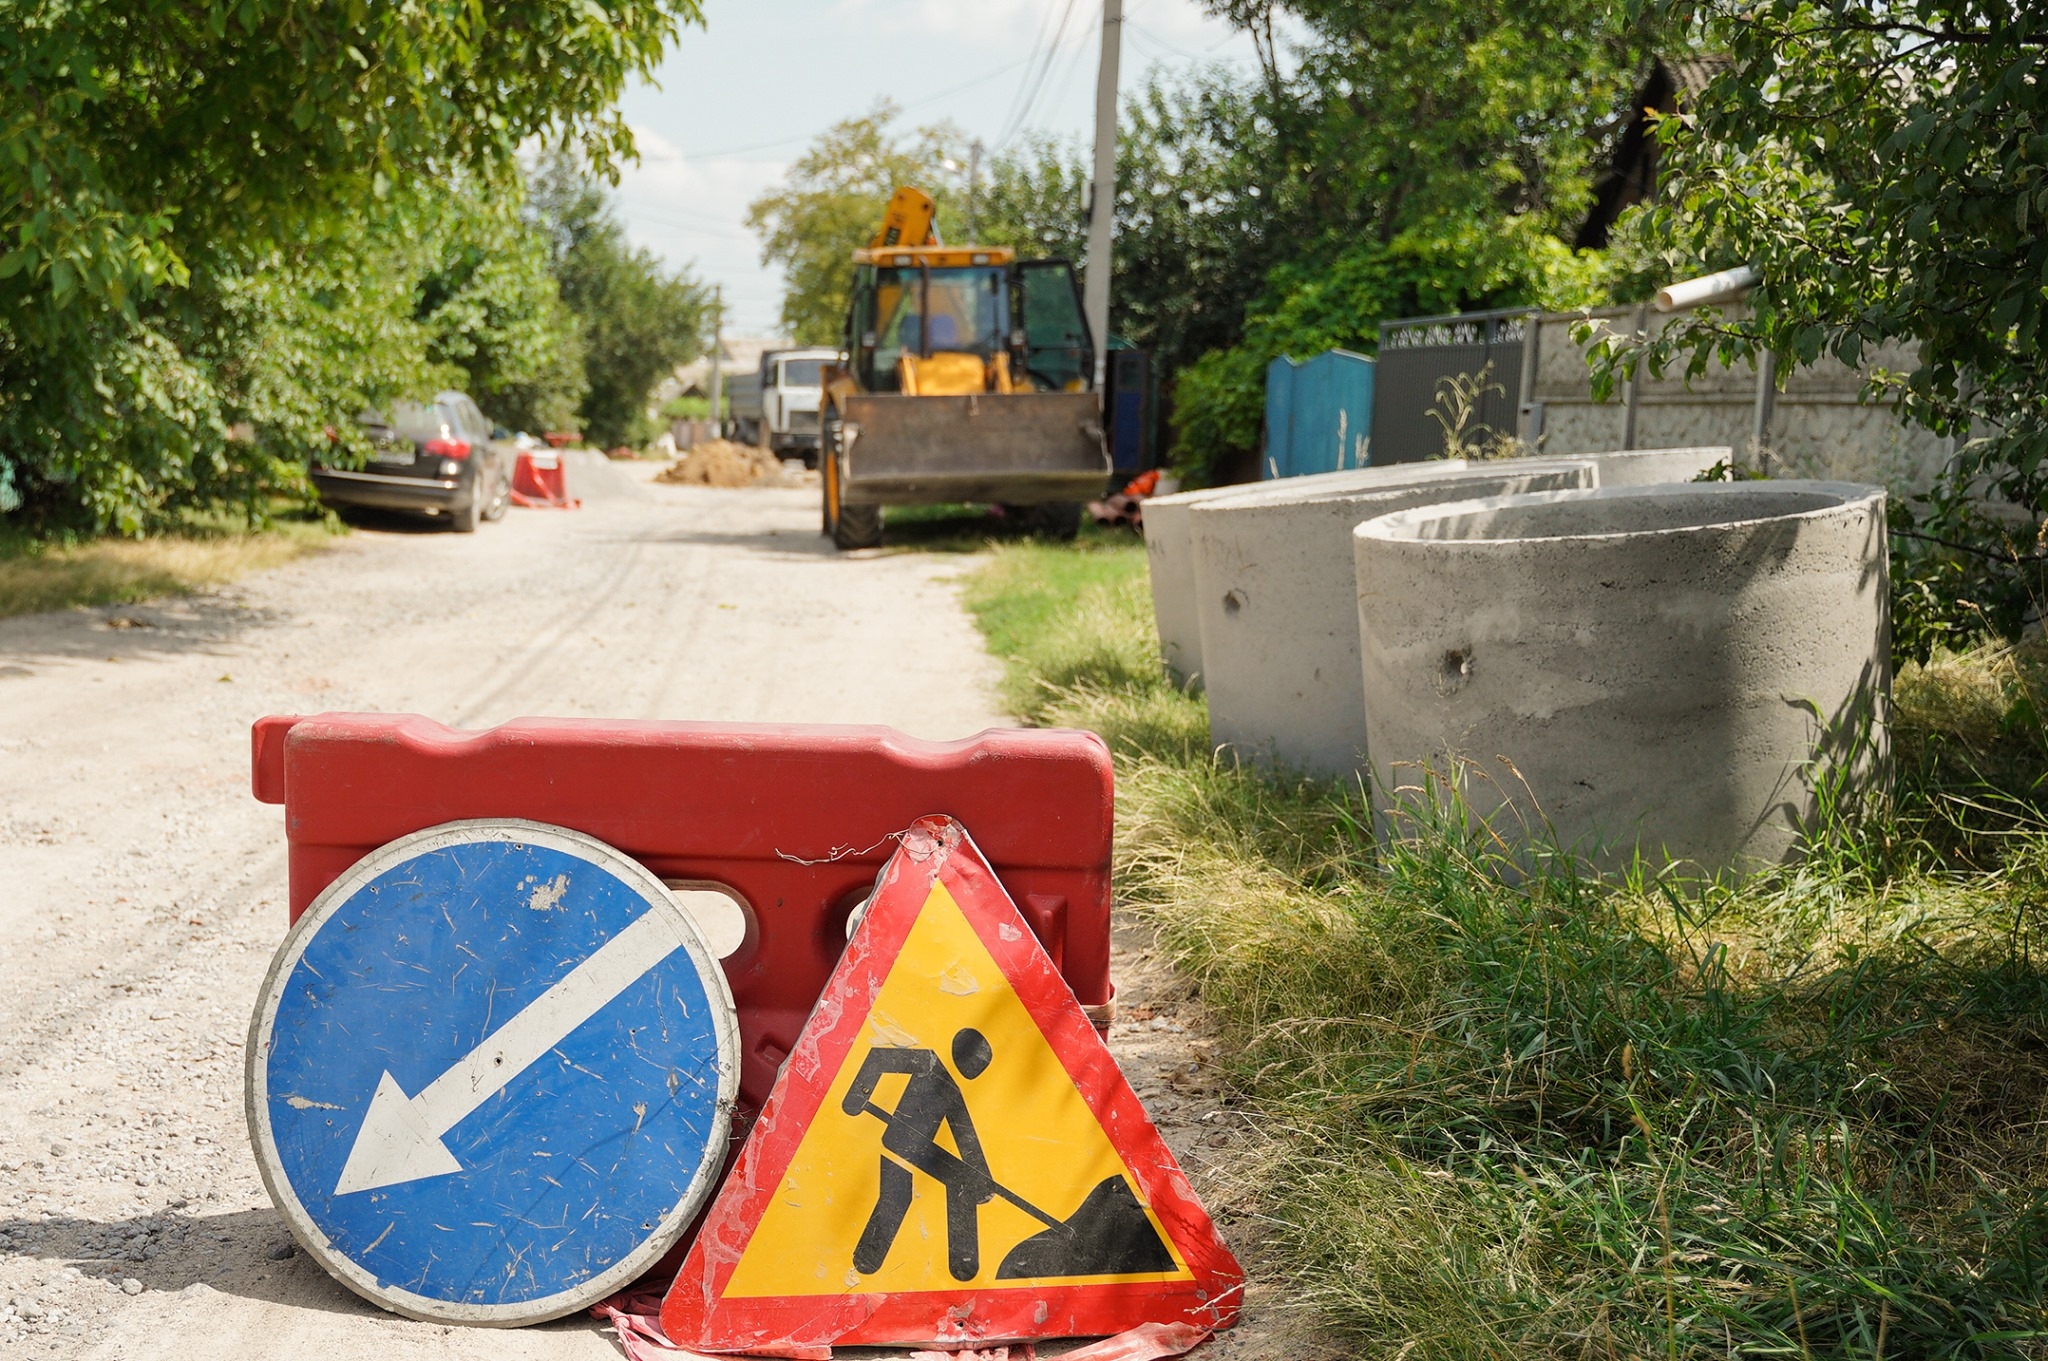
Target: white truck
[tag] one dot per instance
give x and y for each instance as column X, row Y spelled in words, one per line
column 777, row 407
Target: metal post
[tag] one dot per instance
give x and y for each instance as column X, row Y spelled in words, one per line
column 1531, row 422
column 974, row 192
column 1102, row 208
column 1766, row 408
column 1634, row 397
column 717, row 378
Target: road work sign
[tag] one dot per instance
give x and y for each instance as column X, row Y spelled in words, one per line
column 950, row 1155
column 491, row 1073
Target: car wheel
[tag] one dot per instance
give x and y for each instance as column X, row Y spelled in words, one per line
column 465, row 519
column 501, row 497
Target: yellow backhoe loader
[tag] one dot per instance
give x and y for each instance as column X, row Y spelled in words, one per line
column 970, row 376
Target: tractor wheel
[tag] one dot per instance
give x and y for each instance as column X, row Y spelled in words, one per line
column 828, row 475
column 1058, row 521
column 858, row 527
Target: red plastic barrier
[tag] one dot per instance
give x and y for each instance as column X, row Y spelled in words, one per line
column 539, row 480
column 797, row 819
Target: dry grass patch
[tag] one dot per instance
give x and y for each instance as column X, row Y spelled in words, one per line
column 122, row 571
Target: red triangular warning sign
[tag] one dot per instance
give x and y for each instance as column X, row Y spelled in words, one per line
column 950, row 1155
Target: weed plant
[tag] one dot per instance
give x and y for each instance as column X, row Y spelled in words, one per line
column 1523, row 1112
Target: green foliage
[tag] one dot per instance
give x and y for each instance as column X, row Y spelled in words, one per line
column 831, row 203
column 637, row 320
column 1442, row 266
column 1414, row 161
column 191, row 200
column 1884, row 166
column 1501, row 1110
column 1035, row 199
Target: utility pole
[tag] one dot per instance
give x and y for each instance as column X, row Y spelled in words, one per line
column 1102, row 197
column 717, row 378
column 973, row 192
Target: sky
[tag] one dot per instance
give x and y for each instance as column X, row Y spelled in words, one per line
column 738, row 100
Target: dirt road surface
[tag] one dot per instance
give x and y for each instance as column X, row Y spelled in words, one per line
column 145, row 888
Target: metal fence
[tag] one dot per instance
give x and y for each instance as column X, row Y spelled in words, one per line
column 1462, row 373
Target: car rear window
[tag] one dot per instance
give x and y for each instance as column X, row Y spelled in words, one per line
column 413, row 421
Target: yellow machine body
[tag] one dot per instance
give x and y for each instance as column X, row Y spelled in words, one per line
column 970, row 377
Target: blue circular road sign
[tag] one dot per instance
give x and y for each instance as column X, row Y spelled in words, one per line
column 491, row 1073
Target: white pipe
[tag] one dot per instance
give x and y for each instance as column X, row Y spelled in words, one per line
column 1699, row 292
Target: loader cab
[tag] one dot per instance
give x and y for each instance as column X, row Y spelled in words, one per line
column 949, row 310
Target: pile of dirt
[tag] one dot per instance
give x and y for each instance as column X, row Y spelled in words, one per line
column 722, row 463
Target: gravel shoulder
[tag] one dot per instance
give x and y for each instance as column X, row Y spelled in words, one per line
column 147, row 886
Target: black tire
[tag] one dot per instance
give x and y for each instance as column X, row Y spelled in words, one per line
column 828, row 466
column 849, row 527
column 465, row 519
column 1057, row 521
column 501, row 497
column 858, row 527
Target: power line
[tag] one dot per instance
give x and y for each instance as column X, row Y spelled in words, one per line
column 708, row 225
column 932, row 98
column 1022, row 115
column 1038, row 50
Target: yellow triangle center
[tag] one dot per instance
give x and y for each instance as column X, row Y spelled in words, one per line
column 956, row 1096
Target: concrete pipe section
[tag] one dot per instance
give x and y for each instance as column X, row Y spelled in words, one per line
column 1170, row 557
column 1642, row 467
column 1662, row 669
column 1275, row 608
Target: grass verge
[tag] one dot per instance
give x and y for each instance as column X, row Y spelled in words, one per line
column 1535, row 1116
column 36, row 577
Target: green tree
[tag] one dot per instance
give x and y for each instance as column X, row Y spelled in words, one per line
column 1884, row 166
column 1417, row 158
column 831, row 201
column 637, row 319
column 1035, row 199
column 175, row 178
column 494, row 313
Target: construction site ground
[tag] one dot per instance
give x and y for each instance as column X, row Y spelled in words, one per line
column 145, row 887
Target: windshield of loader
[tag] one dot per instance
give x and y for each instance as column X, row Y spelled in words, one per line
column 1057, row 353
column 926, row 312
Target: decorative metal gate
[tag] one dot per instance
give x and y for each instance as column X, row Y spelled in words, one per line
column 1461, row 372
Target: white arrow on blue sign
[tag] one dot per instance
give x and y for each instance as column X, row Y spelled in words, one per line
column 491, row 1073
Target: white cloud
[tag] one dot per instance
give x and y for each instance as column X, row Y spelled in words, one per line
column 693, row 212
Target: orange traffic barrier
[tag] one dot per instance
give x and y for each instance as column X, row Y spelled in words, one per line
column 538, row 480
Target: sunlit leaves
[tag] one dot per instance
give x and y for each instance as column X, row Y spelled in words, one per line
column 1883, row 164
column 196, row 201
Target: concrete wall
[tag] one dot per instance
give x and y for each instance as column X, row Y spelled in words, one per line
column 1275, row 606
column 1658, row 668
column 1819, row 425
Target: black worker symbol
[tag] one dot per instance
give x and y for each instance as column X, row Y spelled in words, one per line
column 1109, row 1235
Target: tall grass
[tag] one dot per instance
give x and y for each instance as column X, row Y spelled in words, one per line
column 1532, row 1114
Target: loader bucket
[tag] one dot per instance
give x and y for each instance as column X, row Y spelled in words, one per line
column 1023, row 448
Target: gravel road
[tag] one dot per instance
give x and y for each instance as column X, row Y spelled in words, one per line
column 146, row 887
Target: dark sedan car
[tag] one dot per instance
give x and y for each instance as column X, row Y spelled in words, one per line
column 439, row 459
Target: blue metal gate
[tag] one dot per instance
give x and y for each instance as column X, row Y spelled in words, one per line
column 1318, row 414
